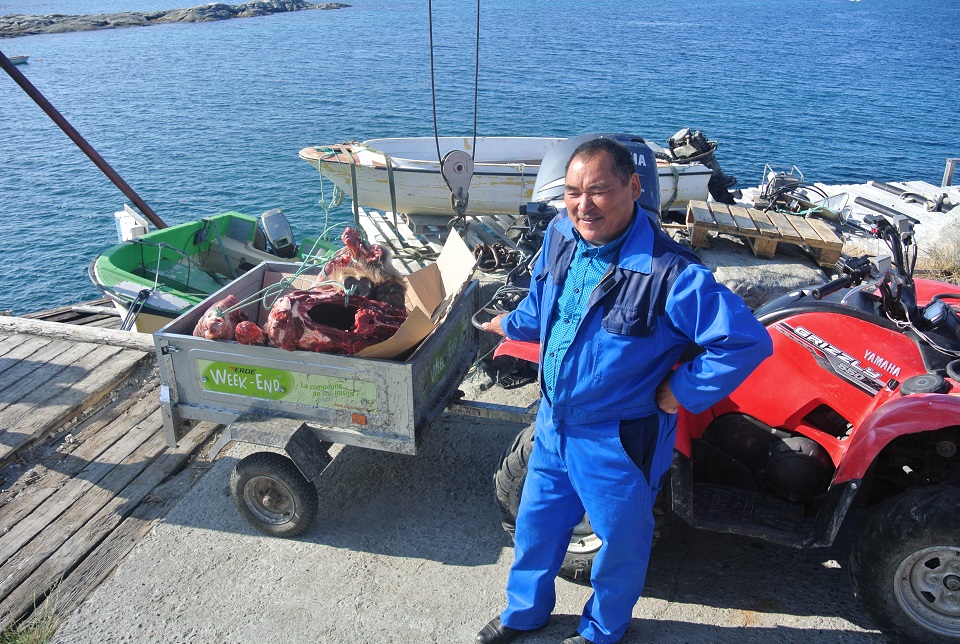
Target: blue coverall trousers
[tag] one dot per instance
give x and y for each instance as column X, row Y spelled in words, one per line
column 577, row 468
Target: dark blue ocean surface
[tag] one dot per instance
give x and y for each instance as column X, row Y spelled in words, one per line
column 202, row 118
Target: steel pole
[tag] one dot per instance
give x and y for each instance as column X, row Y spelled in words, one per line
column 81, row 143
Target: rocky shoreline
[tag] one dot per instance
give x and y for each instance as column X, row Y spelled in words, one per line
column 23, row 25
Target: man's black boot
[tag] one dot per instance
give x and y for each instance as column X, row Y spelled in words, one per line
column 496, row 633
column 577, row 638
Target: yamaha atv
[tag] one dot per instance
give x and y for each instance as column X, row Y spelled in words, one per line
column 858, row 407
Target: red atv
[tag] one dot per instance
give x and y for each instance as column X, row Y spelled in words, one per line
column 857, row 407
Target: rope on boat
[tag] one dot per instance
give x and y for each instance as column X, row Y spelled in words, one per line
column 336, row 197
column 676, row 187
column 223, row 251
column 423, row 253
column 476, row 84
column 189, row 262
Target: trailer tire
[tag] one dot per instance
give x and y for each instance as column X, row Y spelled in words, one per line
column 905, row 565
column 508, row 483
column 272, row 495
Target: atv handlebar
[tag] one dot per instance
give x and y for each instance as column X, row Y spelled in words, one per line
column 831, row 287
column 854, row 269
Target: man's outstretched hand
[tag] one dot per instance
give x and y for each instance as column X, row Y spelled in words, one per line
column 494, row 325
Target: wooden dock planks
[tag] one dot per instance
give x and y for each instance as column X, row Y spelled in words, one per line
column 99, row 562
column 410, row 250
column 78, row 506
column 91, row 514
column 415, row 240
column 91, row 444
column 762, row 230
column 96, row 313
column 56, row 381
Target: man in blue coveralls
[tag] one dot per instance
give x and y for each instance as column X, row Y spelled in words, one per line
column 613, row 302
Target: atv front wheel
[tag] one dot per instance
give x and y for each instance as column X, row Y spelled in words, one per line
column 508, row 482
column 905, row 565
column 272, row 495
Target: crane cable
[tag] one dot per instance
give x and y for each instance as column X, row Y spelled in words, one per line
column 433, row 85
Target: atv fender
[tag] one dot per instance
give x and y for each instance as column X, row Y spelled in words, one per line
column 907, row 415
column 686, row 422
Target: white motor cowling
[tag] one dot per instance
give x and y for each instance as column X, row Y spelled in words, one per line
column 130, row 225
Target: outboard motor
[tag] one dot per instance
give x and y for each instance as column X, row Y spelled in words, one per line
column 279, row 233
column 692, row 146
column 553, row 169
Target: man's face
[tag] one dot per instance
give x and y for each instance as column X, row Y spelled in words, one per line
column 600, row 205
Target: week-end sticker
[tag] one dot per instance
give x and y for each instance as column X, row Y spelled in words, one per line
column 288, row 386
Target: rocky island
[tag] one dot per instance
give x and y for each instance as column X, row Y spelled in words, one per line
column 23, row 25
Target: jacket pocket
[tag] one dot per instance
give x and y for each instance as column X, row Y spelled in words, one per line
column 624, row 320
column 622, row 359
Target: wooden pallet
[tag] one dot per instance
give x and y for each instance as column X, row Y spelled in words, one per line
column 763, row 230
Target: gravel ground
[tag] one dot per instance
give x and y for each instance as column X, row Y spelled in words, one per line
column 409, row 549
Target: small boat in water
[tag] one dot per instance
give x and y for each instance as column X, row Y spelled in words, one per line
column 18, row 60
column 505, row 169
column 406, row 171
column 154, row 277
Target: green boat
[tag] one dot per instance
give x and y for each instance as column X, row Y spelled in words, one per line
column 155, row 277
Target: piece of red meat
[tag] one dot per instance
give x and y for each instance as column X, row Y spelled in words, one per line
column 248, row 332
column 215, row 325
column 358, row 250
column 326, row 321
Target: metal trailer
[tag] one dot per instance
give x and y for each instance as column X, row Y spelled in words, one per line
column 302, row 403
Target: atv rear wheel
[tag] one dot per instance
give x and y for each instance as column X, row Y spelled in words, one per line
column 905, row 565
column 508, row 482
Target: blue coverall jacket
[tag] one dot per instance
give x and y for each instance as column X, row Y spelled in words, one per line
column 651, row 305
column 653, row 302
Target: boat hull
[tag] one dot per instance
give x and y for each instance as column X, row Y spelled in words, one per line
column 144, row 322
column 505, row 171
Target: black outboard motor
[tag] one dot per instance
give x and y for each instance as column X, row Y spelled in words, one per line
column 553, row 169
column 689, row 146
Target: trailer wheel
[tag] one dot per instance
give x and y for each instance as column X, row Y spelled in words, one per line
column 905, row 565
column 272, row 494
column 508, row 483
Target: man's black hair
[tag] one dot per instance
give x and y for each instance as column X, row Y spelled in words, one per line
column 623, row 165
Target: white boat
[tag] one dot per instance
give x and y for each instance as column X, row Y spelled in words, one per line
column 19, row 60
column 505, row 170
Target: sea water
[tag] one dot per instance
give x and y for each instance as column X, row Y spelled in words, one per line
column 204, row 118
